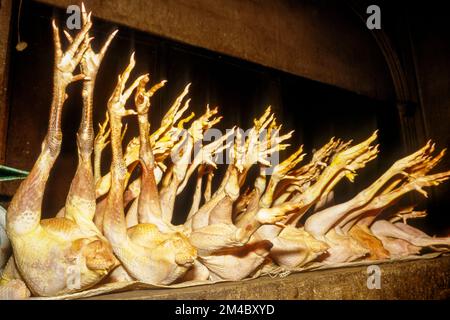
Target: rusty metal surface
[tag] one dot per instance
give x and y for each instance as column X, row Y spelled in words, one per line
column 420, row 279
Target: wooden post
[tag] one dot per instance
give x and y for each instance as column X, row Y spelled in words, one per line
column 5, row 22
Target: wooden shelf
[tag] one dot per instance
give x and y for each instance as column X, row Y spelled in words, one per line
column 419, row 279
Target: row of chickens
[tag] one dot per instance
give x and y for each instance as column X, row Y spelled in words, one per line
column 229, row 233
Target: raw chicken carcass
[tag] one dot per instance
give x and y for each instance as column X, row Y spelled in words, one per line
column 339, row 219
column 55, row 256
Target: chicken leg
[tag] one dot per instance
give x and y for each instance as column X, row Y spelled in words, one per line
column 81, row 200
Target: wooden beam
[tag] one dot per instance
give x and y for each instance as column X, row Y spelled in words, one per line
column 322, row 41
